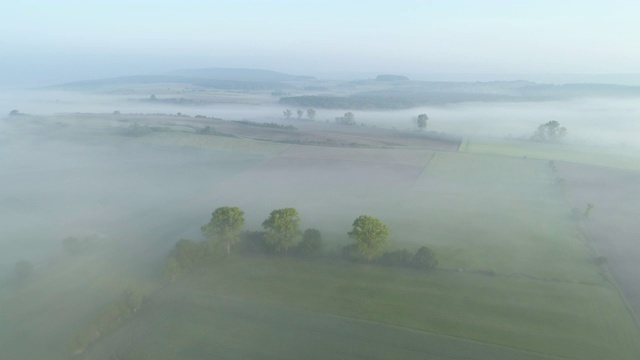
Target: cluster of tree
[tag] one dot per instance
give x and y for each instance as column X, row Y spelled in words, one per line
column 109, row 318
column 424, row 258
column 311, row 114
column 281, row 233
column 347, row 119
column 224, row 231
column 181, row 100
column 137, row 130
column 188, row 255
column 209, row 130
column 15, row 112
column 266, row 125
column 550, row 132
column 371, row 235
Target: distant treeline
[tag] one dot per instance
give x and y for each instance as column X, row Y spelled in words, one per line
column 384, row 100
column 420, row 94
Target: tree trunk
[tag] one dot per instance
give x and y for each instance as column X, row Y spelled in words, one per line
column 228, row 248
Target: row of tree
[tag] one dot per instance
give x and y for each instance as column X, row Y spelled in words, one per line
column 311, row 114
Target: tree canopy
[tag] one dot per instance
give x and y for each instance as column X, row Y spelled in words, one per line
column 311, row 242
column 311, row 114
column 550, row 132
column 225, row 225
column 370, row 235
column 421, row 121
column 347, row 119
column 283, row 227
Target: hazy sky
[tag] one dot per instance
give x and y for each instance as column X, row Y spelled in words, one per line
column 65, row 40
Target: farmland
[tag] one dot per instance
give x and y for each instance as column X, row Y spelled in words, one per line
column 516, row 276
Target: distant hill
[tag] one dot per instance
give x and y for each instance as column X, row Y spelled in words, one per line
column 238, row 74
column 225, row 84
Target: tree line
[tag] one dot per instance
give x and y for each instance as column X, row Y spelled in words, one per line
column 281, row 234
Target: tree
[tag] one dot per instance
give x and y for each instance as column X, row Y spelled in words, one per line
column 550, row 132
column 187, row 254
column 287, row 114
column 370, row 235
column 311, row 242
column 24, row 269
column 283, row 227
column 424, row 258
column 421, row 121
column 311, row 114
column 225, row 225
column 299, row 113
column 347, row 119
column 14, row 112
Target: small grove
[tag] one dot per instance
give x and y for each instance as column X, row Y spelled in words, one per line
column 281, row 235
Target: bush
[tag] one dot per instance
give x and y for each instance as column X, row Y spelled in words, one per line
column 424, row 258
column 311, row 243
column 396, row 258
column 351, row 252
column 254, row 242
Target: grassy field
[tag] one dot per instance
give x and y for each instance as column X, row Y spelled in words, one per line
column 515, row 269
column 516, row 220
column 38, row 318
column 599, row 156
column 272, row 307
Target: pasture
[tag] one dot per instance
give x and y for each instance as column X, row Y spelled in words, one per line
column 516, row 277
column 272, row 307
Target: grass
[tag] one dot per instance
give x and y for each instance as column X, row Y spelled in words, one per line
column 215, row 142
column 245, row 329
column 250, row 306
column 38, row 318
column 560, row 152
column 480, row 210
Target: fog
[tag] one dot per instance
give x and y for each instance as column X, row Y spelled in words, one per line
column 133, row 198
column 68, row 183
column 591, row 121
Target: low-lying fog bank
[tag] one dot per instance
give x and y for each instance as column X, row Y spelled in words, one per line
column 597, row 121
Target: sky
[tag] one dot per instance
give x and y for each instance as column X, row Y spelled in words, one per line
column 68, row 40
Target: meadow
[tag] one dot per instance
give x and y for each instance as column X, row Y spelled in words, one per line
column 516, row 275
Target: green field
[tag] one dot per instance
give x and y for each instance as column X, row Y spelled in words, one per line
column 590, row 155
column 516, row 275
column 260, row 306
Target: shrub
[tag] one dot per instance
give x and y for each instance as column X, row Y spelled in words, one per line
column 311, row 243
column 425, row 258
